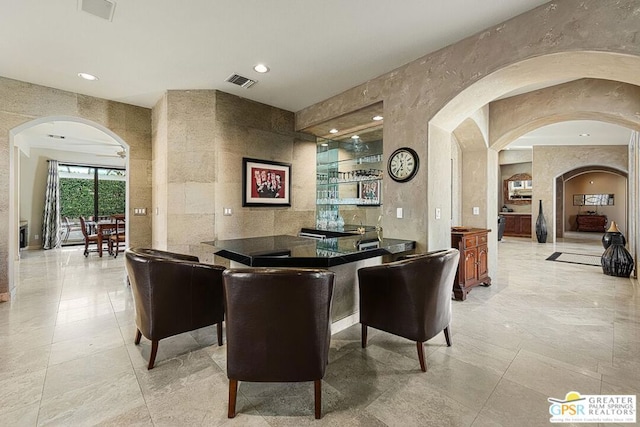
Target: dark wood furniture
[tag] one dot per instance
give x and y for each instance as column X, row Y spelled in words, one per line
column 592, row 223
column 89, row 238
column 474, row 258
column 517, row 225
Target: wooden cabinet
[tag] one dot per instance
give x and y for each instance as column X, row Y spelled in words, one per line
column 474, row 257
column 592, row 223
column 517, row 225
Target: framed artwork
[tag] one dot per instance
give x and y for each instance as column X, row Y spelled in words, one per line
column 369, row 193
column 265, row 183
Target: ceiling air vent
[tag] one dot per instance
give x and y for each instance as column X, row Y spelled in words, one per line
column 101, row 8
column 241, row 81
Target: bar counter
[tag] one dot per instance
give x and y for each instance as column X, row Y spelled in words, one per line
column 292, row 251
column 343, row 255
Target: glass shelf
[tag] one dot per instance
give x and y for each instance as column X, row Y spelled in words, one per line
column 323, row 183
column 348, row 182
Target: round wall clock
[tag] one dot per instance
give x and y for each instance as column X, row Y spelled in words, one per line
column 403, row 164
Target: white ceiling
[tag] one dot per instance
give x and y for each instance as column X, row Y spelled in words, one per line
column 315, row 49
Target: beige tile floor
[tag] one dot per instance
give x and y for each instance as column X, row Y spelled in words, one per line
column 544, row 328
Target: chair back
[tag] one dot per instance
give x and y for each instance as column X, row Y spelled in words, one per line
column 83, row 227
column 157, row 253
column 173, row 295
column 278, row 323
column 410, row 298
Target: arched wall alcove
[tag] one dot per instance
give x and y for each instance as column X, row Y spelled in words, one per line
column 561, row 180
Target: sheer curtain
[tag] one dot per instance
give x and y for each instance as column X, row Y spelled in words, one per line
column 51, row 221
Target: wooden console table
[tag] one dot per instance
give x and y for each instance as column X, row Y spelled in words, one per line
column 473, row 268
column 592, row 223
column 517, row 224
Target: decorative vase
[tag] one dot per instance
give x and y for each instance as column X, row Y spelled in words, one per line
column 613, row 230
column 541, row 226
column 616, row 260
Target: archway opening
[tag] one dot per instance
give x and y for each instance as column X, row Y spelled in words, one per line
column 70, row 141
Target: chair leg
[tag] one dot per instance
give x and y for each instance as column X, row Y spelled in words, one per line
column 233, row 393
column 154, row 351
column 219, row 333
column 364, row 336
column 423, row 365
column 317, row 386
column 447, row 336
column 86, row 248
column 138, row 336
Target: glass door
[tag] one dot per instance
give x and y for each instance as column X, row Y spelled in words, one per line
column 95, row 193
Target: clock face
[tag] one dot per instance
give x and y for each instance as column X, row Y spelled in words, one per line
column 403, row 164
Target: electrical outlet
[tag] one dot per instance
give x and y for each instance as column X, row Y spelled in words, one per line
column 37, row 237
column 438, row 213
column 476, row 210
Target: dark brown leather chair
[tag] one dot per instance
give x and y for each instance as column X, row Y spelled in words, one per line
column 410, row 298
column 173, row 293
column 278, row 327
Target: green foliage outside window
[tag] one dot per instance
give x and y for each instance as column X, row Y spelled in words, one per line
column 76, row 197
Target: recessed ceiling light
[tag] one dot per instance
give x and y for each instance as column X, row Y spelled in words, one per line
column 355, row 137
column 261, row 68
column 585, row 134
column 377, row 118
column 87, row 76
column 334, row 130
column 324, row 144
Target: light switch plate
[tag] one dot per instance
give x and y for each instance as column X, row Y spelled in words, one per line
column 226, row 211
column 438, row 213
column 399, row 213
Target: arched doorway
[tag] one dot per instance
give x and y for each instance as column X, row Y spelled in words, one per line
column 67, row 138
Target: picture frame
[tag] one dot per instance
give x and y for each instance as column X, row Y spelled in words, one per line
column 265, row 183
column 369, row 192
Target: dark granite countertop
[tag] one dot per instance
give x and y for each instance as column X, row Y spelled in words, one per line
column 292, row 251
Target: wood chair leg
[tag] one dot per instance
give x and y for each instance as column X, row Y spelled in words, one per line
column 138, row 336
column 154, row 351
column 364, row 336
column 317, row 386
column 447, row 336
column 233, row 393
column 423, row 365
column 86, row 248
column 219, row 333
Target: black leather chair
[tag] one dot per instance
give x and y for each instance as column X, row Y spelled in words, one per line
column 410, row 298
column 278, row 327
column 173, row 293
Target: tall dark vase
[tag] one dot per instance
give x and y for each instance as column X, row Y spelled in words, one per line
column 613, row 230
column 541, row 226
column 616, row 260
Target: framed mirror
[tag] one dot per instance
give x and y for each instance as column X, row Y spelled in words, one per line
column 518, row 189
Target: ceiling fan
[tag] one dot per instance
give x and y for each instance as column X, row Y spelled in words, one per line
column 122, row 154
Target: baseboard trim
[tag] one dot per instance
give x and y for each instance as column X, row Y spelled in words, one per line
column 343, row 324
